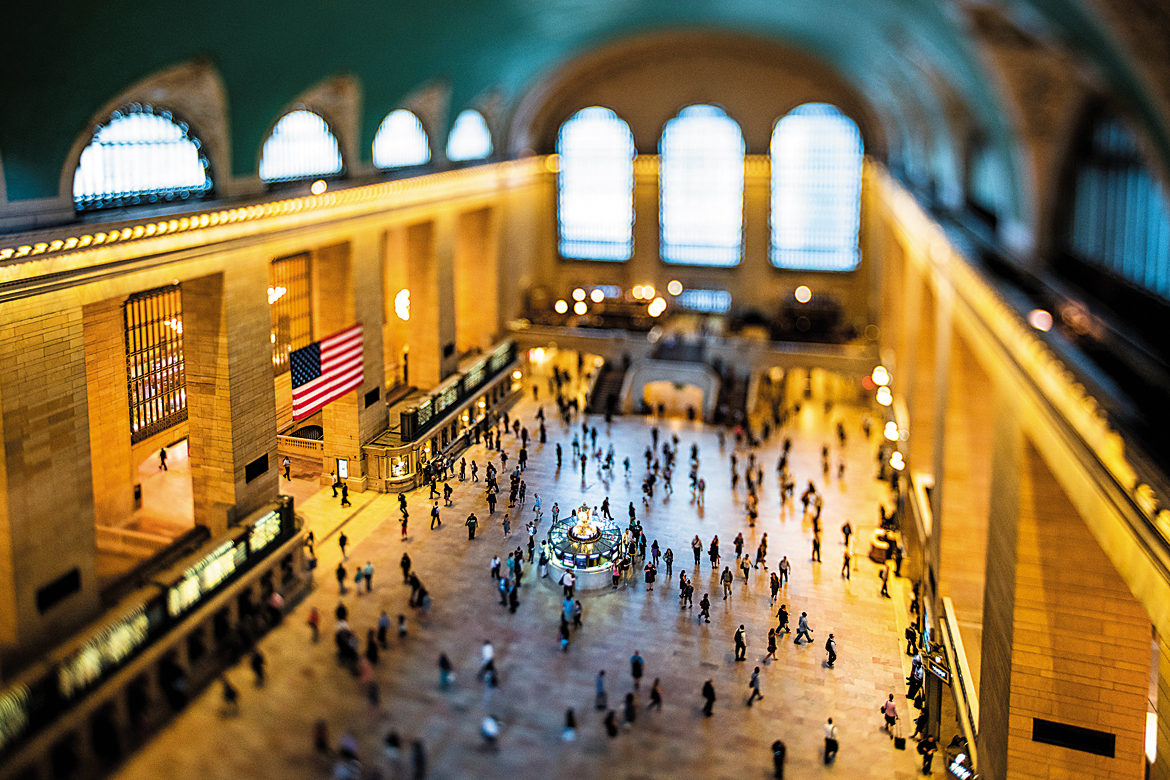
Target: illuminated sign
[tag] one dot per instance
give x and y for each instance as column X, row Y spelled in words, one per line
column 938, row 667
column 474, row 377
column 204, row 577
column 13, row 714
column 447, row 398
column 500, row 357
column 103, row 653
column 960, row 767
column 425, row 412
column 264, row 531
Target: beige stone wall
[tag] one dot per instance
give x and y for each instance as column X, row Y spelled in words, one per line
column 1080, row 641
column 476, row 293
column 109, row 420
column 48, row 501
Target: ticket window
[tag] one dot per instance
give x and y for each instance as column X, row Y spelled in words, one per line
column 399, row 466
column 343, row 468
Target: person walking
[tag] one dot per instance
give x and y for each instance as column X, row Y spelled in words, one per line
column 884, row 575
column 404, row 563
column 343, row 542
column 345, row 494
column 846, row 560
column 831, row 744
column 655, row 697
column 368, row 575
column 816, row 546
column 785, row 568
column 570, row 731
column 782, row 617
column 335, row 482
column 779, row 752
column 257, row 664
column 713, row 553
column 630, row 710
column 435, row 516
column 668, row 559
column 162, row 460
column 487, row 657
column 802, row 629
column 754, row 687
column 314, row 622
column 708, row 697
column 341, row 575
column 831, row 649
column 726, row 579
column 705, row 609
column 740, row 644
column 771, row 645
column 746, row 568
column 926, row 748
column 890, row 713
column 847, row 531
column 636, row 665
column 472, row 522
column 774, row 583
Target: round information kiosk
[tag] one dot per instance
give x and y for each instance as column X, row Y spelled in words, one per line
column 585, row 545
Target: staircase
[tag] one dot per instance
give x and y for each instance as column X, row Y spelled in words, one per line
column 607, row 390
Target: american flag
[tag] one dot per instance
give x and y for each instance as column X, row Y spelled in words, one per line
column 326, row 370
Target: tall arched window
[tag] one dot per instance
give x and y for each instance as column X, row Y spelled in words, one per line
column 700, row 179
column 401, row 141
column 301, row 146
column 470, row 138
column 595, row 186
column 140, row 156
column 1119, row 221
column 816, row 190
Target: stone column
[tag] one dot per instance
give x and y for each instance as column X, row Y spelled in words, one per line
column 109, row 417
column 477, row 320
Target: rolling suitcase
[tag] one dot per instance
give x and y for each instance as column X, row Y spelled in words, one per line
column 899, row 738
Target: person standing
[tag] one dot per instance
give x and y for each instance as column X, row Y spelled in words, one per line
column 650, row 573
column 771, row 645
column 315, row 623
column 368, row 575
column 383, row 629
column 802, row 629
column 708, row 697
column 405, row 563
column 774, row 582
column 697, row 548
column 601, row 700
column 740, row 644
column 713, row 552
column 487, row 657
column 287, row 465
column 831, row 649
column 779, row 752
column 472, row 522
column 785, row 568
column 726, row 579
column 816, row 546
column 668, row 559
column 570, row 731
column 636, row 665
column 831, row 744
column 847, row 531
column 655, row 697
column 341, row 575
column 754, row 687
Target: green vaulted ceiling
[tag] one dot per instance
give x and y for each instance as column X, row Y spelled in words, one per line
column 66, row 59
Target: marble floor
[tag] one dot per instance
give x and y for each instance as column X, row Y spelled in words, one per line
column 271, row 736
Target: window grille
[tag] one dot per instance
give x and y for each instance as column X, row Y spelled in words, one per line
column 290, row 302
column 705, row 301
column 470, row 138
column 701, row 188
column 1119, row 221
column 140, row 156
column 155, row 372
column 816, row 190
column 595, row 186
column 401, row 141
column 300, row 146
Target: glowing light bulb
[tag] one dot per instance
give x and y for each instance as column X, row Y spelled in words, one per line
column 897, row 461
column 597, row 296
column 402, row 304
column 318, row 187
column 578, row 294
column 1040, row 320
column 880, row 376
column 675, row 287
column 802, row 294
column 884, row 396
column 647, row 291
column 891, row 431
column 561, row 306
column 579, row 308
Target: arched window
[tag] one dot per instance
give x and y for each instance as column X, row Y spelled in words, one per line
column 301, row 145
column 700, row 179
column 1119, row 222
column 595, row 186
column 140, row 156
column 470, row 138
column 401, row 141
column 816, row 190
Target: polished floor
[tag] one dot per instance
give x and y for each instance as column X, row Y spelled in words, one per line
column 271, row 736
